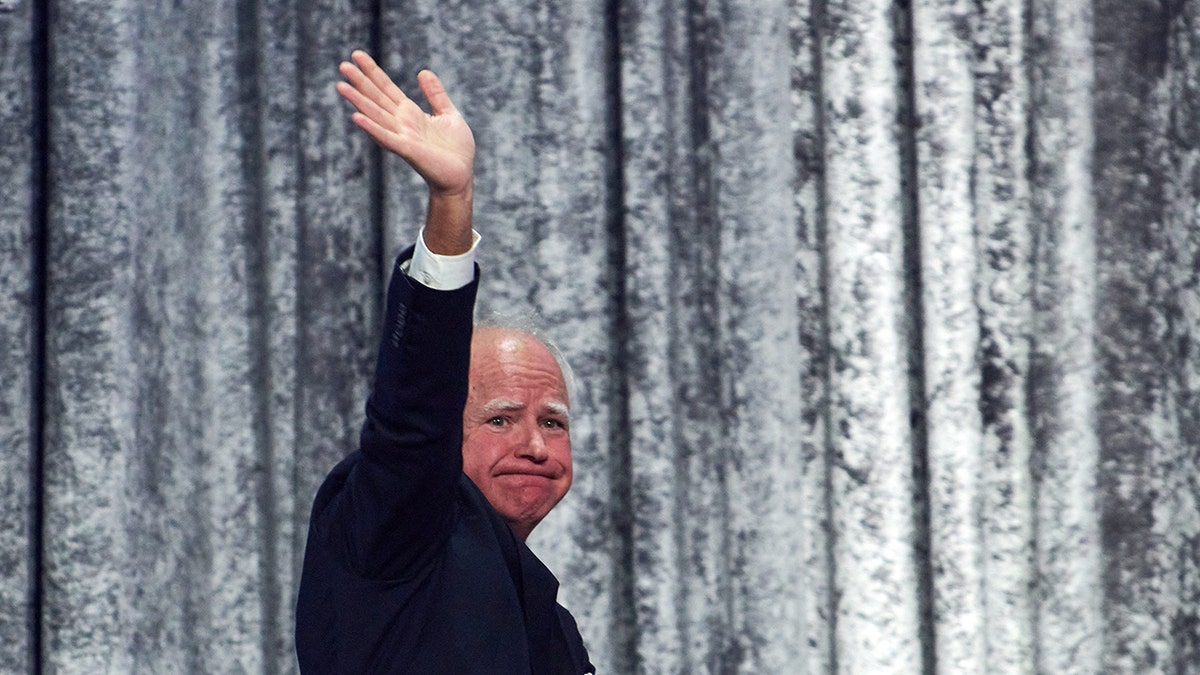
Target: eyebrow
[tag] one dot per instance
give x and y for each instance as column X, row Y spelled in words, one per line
column 502, row 405
column 509, row 405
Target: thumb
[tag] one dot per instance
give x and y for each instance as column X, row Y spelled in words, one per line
column 435, row 93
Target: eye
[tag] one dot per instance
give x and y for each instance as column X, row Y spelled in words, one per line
column 497, row 421
column 551, row 423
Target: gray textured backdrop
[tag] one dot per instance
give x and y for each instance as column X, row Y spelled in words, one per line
column 888, row 316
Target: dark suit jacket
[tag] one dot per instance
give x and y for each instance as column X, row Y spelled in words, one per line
column 408, row 569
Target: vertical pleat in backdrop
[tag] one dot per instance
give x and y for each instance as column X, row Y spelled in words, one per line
column 1147, row 325
column 213, row 289
column 886, row 318
column 20, row 191
column 709, row 244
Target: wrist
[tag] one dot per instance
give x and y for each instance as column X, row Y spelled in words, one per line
column 448, row 221
column 460, row 194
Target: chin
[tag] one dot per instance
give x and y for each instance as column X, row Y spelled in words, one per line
column 526, row 516
column 524, row 505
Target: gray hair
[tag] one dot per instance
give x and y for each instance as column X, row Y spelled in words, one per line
column 533, row 325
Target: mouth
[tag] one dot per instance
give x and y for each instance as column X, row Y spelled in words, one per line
column 527, row 473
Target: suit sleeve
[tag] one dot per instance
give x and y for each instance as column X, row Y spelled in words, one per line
column 394, row 507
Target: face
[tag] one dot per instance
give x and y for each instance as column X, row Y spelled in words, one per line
column 516, row 440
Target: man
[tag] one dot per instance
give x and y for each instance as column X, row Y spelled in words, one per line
column 416, row 561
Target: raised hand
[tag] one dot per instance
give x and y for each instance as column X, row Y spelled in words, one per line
column 440, row 147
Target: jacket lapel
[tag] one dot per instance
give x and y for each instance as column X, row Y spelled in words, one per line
column 551, row 656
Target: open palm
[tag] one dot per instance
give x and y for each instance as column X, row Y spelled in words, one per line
column 439, row 146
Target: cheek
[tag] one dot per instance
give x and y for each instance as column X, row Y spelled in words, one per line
column 563, row 455
column 479, row 453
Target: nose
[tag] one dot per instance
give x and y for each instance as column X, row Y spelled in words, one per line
column 533, row 446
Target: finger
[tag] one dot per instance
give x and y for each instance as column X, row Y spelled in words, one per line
column 363, row 104
column 378, row 76
column 381, row 135
column 365, row 86
column 435, row 93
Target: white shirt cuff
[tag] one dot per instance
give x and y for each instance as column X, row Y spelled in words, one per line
column 442, row 272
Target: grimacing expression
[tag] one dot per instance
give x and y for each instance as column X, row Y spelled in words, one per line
column 516, row 428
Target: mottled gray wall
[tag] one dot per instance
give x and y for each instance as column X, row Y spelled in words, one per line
column 887, row 316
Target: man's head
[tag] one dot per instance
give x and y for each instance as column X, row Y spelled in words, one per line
column 516, row 439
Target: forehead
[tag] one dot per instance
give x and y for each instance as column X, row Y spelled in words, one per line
column 507, row 358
